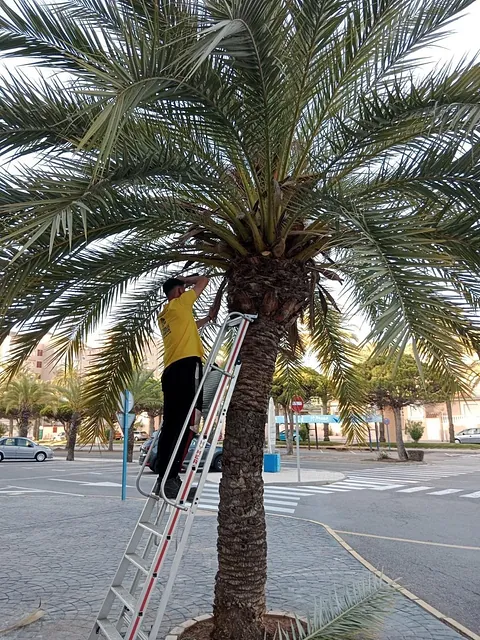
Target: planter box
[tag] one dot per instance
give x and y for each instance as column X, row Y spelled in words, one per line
column 415, row 455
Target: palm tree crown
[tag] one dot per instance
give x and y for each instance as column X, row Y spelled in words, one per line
column 207, row 133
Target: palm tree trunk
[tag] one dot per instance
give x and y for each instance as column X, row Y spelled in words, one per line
column 23, row 423
column 289, row 433
column 130, row 444
column 276, row 290
column 451, row 426
column 72, row 436
column 36, row 428
column 240, row 586
column 326, row 426
column 402, row 453
column 151, row 424
column 111, row 438
column 10, row 427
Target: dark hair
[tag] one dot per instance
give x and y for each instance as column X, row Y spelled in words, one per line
column 170, row 284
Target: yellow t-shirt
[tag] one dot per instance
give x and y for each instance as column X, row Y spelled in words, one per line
column 179, row 331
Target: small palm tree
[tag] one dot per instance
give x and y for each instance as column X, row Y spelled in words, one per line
column 278, row 146
column 71, row 406
column 25, row 395
column 147, row 397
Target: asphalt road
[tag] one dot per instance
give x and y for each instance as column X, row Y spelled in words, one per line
column 418, row 523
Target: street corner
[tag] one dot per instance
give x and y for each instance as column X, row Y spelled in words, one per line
column 290, row 476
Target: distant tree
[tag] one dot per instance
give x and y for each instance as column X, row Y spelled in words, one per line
column 150, row 401
column 26, row 395
column 147, row 397
column 287, row 382
column 317, row 385
column 394, row 385
column 69, row 408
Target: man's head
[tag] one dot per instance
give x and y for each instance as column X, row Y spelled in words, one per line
column 173, row 288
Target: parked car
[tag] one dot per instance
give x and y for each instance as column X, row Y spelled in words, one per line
column 468, row 436
column 216, row 460
column 23, row 448
column 282, row 436
column 140, row 435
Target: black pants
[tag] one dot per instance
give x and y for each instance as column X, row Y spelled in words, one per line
column 179, row 383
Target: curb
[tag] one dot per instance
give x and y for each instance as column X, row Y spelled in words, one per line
column 177, row 631
column 450, row 622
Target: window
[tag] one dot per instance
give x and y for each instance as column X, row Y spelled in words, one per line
column 54, row 430
column 22, row 442
column 39, row 364
column 39, row 352
column 8, row 442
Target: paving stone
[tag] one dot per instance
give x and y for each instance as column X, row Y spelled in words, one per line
column 71, row 549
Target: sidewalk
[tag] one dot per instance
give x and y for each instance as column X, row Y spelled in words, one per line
column 70, row 550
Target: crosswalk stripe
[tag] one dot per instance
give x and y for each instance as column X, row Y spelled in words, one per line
column 386, row 480
column 279, row 509
column 413, row 489
column 476, row 494
column 286, row 494
column 444, row 492
column 304, row 491
column 387, row 486
column 349, row 485
column 285, row 502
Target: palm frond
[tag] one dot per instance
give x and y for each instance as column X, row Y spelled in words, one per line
column 358, row 610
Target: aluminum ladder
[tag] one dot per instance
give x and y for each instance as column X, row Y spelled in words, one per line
column 122, row 615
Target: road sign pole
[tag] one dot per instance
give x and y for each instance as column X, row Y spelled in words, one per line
column 386, row 422
column 298, row 448
column 297, row 406
column 125, row 419
column 125, row 447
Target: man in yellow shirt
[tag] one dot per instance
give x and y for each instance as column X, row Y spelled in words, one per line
column 183, row 352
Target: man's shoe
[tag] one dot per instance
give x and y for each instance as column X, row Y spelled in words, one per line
column 171, row 488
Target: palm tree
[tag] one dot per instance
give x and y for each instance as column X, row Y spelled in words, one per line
column 148, row 398
column 25, row 395
column 277, row 145
column 71, row 407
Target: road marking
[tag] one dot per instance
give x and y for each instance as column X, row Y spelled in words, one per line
column 444, row 492
column 387, row 486
column 471, row 495
column 380, row 480
column 425, row 542
column 413, row 489
column 29, row 490
column 90, row 484
column 285, row 502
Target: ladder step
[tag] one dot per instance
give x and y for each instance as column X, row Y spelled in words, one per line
column 109, row 630
column 139, row 562
column 152, row 528
column 125, row 596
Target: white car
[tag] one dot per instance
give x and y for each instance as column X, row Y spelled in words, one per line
column 23, row 449
column 467, row 436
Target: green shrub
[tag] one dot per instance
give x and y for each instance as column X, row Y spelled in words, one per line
column 415, row 430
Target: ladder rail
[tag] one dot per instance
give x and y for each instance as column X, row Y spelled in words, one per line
column 142, row 468
column 223, row 387
column 191, row 515
column 135, row 606
column 218, row 406
column 231, row 320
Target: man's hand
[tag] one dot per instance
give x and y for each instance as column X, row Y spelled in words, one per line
column 199, row 282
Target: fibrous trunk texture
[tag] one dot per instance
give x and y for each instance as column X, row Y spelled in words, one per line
column 276, row 290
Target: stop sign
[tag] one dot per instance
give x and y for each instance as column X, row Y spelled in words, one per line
column 297, row 404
